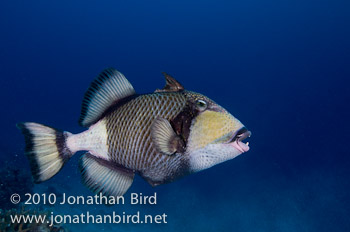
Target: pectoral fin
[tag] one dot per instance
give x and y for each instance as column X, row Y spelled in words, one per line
column 164, row 137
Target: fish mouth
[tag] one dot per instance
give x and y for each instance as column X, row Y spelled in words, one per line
column 237, row 139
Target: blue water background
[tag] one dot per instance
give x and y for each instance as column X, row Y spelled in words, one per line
column 281, row 67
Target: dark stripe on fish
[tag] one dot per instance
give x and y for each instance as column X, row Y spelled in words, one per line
column 183, row 121
column 29, row 150
column 63, row 151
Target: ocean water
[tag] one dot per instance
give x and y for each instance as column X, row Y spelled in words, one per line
column 281, row 67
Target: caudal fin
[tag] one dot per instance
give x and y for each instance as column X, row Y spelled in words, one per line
column 45, row 148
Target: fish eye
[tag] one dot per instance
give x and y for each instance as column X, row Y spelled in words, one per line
column 201, row 105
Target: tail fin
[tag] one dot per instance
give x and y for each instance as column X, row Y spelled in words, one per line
column 45, row 148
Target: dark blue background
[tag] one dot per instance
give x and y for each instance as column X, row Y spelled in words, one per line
column 281, row 67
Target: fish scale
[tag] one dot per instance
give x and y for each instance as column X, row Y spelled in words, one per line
column 132, row 123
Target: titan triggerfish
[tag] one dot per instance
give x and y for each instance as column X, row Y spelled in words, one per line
column 160, row 136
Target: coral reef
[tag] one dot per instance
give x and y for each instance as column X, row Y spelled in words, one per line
column 13, row 180
column 7, row 225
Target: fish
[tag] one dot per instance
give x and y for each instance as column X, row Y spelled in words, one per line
column 161, row 136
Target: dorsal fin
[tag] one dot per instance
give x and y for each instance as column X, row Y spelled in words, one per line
column 171, row 85
column 108, row 88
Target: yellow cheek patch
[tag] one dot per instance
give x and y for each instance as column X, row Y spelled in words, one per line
column 210, row 126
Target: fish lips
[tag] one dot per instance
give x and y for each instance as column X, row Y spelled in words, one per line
column 238, row 137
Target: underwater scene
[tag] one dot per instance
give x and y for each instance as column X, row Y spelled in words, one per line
column 175, row 115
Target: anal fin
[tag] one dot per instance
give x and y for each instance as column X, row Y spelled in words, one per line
column 105, row 177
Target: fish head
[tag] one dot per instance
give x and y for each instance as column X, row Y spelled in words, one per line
column 215, row 135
